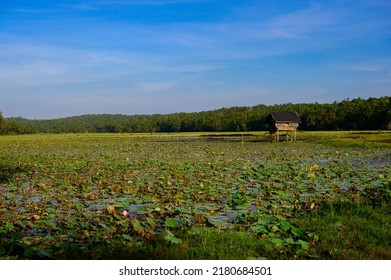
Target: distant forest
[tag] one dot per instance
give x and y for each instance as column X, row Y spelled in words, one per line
column 355, row 114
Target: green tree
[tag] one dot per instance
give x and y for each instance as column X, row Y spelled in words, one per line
column 356, row 114
column 1, row 122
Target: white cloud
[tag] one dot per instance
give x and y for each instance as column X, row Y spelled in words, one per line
column 375, row 65
column 300, row 23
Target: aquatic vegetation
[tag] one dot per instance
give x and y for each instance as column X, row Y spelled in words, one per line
column 62, row 193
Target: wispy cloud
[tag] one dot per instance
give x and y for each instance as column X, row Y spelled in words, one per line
column 190, row 54
column 147, row 2
column 299, row 24
column 379, row 3
column 364, row 68
column 318, row 25
column 52, row 68
column 81, row 6
column 375, row 65
column 248, row 35
column 108, row 4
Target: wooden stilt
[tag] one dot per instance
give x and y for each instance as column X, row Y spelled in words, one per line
column 286, row 122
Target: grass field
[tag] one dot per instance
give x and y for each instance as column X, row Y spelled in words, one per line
column 195, row 196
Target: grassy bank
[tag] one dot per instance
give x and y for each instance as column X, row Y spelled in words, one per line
column 343, row 231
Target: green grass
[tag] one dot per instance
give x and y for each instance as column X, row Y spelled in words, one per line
column 350, row 231
column 209, row 244
column 187, row 197
column 348, row 138
column 343, row 231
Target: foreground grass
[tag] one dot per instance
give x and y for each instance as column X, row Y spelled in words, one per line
column 339, row 231
column 350, row 231
column 343, row 231
column 63, row 197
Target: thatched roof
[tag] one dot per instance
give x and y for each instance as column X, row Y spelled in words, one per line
column 277, row 117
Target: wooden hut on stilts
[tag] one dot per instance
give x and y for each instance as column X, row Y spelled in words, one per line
column 283, row 122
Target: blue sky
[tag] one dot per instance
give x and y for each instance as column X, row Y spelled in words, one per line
column 65, row 58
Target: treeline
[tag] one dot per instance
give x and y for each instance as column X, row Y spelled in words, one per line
column 356, row 114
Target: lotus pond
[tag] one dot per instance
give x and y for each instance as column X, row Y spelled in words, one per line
column 75, row 196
